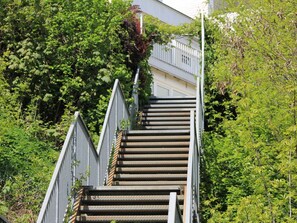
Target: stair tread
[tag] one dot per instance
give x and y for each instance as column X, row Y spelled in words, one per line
column 123, row 208
column 155, row 137
column 153, row 144
column 152, row 156
column 172, row 97
column 166, row 127
column 166, row 123
column 180, row 114
column 129, row 198
column 179, row 105
column 172, row 101
column 150, row 169
column 145, row 110
column 149, row 183
column 157, row 132
column 151, row 176
column 153, row 163
column 165, row 118
column 121, row 218
column 140, row 150
column 135, row 188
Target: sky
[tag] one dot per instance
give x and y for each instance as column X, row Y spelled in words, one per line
column 188, row 7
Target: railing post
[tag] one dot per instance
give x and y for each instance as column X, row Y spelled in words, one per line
column 174, row 215
column 202, row 61
column 172, row 208
column 189, row 198
column 134, row 108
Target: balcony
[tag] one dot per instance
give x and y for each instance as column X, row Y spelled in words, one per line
column 177, row 59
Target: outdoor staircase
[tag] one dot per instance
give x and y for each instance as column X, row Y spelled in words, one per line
column 149, row 164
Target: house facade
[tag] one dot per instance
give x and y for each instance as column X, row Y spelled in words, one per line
column 176, row 65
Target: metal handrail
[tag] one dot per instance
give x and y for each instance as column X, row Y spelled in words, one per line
column 3, row 219
column 197, row 127
column 77, row 158
column 192, row 191
column 117, row 111
column 174, row 213
column 135, row 105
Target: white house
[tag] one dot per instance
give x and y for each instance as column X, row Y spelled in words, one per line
column 176, row 65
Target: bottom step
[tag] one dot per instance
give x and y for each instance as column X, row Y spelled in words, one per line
column 120, row 218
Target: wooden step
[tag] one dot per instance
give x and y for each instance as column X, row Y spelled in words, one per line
column 134, row 190
column 158, row 132
column 112, row 209
column 166, row 127
column 153, row 157
column 190, row 97
column 150, row 177
column 170, row 106
column 173, row 101
column 148, row 183
column 143, row 163
column 165, row 118
column 176, row 114
column 154, row 138
column 155, row 144
column 154, row 150
column 145, row 170
column 166, row 123
column 126, row 199
column 167, row 110
column 121, row 218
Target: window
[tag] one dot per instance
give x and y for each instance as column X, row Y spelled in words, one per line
column 177, row 93
column 186, row 60
column 162, row 91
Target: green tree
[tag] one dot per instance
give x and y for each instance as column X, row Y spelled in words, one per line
column 26, row 163
column 252, row 160
column 57, row 57
column 70, row 54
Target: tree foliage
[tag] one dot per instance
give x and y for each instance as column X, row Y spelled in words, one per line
column 57, row 57
column 251, row 161
column 64, row 55
column 26, row 163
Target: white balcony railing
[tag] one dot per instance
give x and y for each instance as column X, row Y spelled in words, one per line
column 178, row 55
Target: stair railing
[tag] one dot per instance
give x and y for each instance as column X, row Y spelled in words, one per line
column 76, row 161
column 197, row 127
column 192, row 191
column 117, row 114
column 135, row 105
column 174, row 214
column 3, row 219
column 79, row 160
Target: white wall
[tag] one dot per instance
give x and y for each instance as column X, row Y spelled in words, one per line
column 163, row 12
column 189, row 7
column 166, row 85
column 169, row 77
